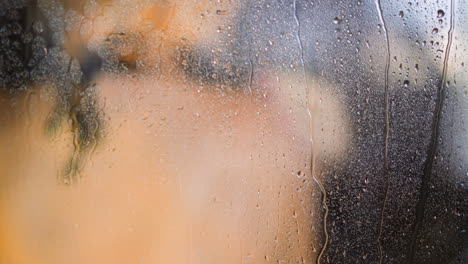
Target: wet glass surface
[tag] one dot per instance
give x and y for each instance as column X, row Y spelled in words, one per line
column 288, row 131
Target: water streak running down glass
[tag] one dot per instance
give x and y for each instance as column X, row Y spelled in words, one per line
column 233, row 131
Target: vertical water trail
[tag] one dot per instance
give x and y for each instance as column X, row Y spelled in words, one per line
column 245, row 29
column 387, row 130
column 424, row 190
column 312, row 156
column 73, row 172
column 75, row 130
column 251, row 73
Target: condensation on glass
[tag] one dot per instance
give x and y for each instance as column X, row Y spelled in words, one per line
column 233, row 131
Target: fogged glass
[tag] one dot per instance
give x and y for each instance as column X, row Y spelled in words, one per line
column 270, row 131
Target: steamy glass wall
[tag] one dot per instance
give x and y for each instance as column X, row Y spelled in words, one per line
column 233, row 131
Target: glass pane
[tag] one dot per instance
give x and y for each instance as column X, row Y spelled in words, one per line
column 233, row 131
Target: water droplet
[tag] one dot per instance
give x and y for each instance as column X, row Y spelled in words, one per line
column 38, row 27
column 401, row 14
column 406, row 83
column 337, row 20
column 440, row 13
column 435, row 31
